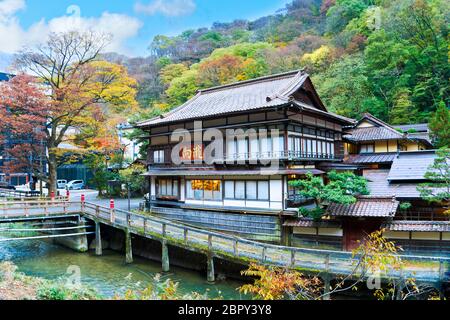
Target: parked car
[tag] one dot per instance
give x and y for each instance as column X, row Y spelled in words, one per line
column 75, row 185
column 61, row 184
column 6, row 185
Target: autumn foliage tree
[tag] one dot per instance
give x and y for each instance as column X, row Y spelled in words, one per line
column 376, row 258
column 24, row 109
column 77, row 84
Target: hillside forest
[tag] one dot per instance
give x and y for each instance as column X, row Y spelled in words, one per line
column 389, row 58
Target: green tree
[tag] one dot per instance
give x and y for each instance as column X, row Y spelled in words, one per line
column 440, row 126
column 171, row 71
column 97, row 164
column 341, row 188
column 182, row 88
column 346, row 89
column 133, row 177
column 403, row 110
column 438, row 189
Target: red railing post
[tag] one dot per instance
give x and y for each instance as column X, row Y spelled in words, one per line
column 83, row 200
column 52, row 196
column 68, row 195
column 112, row 211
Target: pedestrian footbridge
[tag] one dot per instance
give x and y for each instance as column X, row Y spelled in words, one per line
column 327, row 264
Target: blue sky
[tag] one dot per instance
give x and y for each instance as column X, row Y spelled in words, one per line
column 133, row 23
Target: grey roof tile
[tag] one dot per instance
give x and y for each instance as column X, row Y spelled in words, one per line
column 365, row 207
column 419, row 127
column 371, row 158
column 419, row 226
column 309, row 223
column 373, row 134
column 260, row 93
column 411, row 165
column 242, row 96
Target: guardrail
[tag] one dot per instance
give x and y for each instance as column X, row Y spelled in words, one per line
column 23, row 195
column 422, row 268
column 18, row 193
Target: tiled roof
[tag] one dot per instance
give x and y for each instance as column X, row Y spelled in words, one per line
column 260, row 93
column 310, row 223
column 379, row 186
column 419, row 226
column 411, row 165
column 421, row 136
column 379, row 131
column 246, row 95
column 419, row 127
column 365, row 207
column 371, row 158
column 373, row 134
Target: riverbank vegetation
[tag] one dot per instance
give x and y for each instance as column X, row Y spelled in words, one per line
column 15, row 285
column 374, row 262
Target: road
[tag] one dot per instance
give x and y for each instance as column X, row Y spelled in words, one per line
column 92, row 197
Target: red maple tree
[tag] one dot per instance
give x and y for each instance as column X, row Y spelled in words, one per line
column 23, row 112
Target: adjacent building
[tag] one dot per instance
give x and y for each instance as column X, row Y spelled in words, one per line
column 394, row 160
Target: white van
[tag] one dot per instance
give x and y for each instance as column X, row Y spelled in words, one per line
column 75, row 185
column 61, row 184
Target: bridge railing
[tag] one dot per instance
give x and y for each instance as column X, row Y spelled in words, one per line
column 426, row 268
column 35, row 207
column 429, row 268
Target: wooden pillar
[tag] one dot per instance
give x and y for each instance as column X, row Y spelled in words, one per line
column 400, row 286
column 211, row 277
column 128, row 248
column 327, row 279
column 98, row 240
column 165, row 257
column 286, row 236
column 327, row 284
column 441, row 284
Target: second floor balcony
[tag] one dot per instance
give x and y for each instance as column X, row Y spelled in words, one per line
column 164, row 158
column 278, row 155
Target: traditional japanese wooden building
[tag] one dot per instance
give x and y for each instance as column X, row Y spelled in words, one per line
column 372, row 142
column 240, row 192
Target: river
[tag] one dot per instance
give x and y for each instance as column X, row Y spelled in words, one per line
column 108, row 274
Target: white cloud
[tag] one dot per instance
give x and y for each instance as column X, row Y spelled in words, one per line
column 171, row 8
column 14, row 37
column 121, row 27
column 9, row 7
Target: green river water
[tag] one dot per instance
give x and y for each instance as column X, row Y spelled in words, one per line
column 108, row 274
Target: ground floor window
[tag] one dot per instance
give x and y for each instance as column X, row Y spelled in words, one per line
column 204, row 190
column 247, row 190
column 167, row 187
